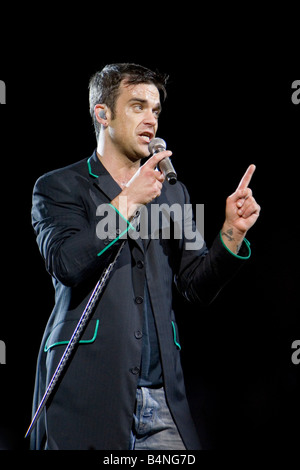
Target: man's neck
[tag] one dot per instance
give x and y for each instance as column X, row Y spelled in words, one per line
column 120, row 167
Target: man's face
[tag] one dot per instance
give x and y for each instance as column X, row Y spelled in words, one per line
column 136, row 119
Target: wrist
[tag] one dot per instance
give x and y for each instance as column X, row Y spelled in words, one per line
column 232, row 237
column 125, row 206
column 245, row 250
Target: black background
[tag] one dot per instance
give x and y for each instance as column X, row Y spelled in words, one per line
column 229, row 105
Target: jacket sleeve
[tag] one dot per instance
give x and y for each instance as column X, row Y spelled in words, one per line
column 203, row 273
column 66, row 229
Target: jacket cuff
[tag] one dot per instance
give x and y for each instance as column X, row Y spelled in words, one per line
column 244, row 252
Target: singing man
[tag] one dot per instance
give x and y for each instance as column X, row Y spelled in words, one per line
column 123, row 387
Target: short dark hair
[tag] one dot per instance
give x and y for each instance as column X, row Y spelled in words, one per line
column 104, row 86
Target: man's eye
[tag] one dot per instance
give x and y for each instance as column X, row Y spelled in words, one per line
column 138, row 107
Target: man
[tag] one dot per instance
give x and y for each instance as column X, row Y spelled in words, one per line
column 124, row 388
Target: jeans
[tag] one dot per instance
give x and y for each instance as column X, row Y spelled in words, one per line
column 153, row 425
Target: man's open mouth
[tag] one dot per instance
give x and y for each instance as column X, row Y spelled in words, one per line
column 146, row 136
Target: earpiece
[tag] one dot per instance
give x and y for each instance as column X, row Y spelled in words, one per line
column 102, row 114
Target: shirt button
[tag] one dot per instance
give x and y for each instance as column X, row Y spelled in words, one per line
column 139, row 299
column 138, row 334
column 135, row 370
column 140, row 264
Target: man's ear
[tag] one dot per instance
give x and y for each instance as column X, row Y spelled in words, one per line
column 100, row 111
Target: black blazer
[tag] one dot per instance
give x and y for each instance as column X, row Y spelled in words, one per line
column 94, row 402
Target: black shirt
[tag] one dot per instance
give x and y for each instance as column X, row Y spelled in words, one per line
column 151, row 370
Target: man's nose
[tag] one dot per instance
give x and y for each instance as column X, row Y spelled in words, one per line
column 150, row 118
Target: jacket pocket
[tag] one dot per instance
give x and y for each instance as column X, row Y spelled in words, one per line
column 62, row 333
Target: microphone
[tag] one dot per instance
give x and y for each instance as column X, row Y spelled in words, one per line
column 159, row 145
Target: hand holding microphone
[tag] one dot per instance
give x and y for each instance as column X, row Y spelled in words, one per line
column 146, row 184
column 159, row 145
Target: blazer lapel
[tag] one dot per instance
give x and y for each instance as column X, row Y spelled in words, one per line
column 107, row 185
column 101, row 178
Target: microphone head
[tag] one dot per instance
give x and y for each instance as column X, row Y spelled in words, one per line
column 157, row 145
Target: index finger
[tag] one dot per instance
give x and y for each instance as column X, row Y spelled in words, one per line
column 157, row 157
column 247, row 177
